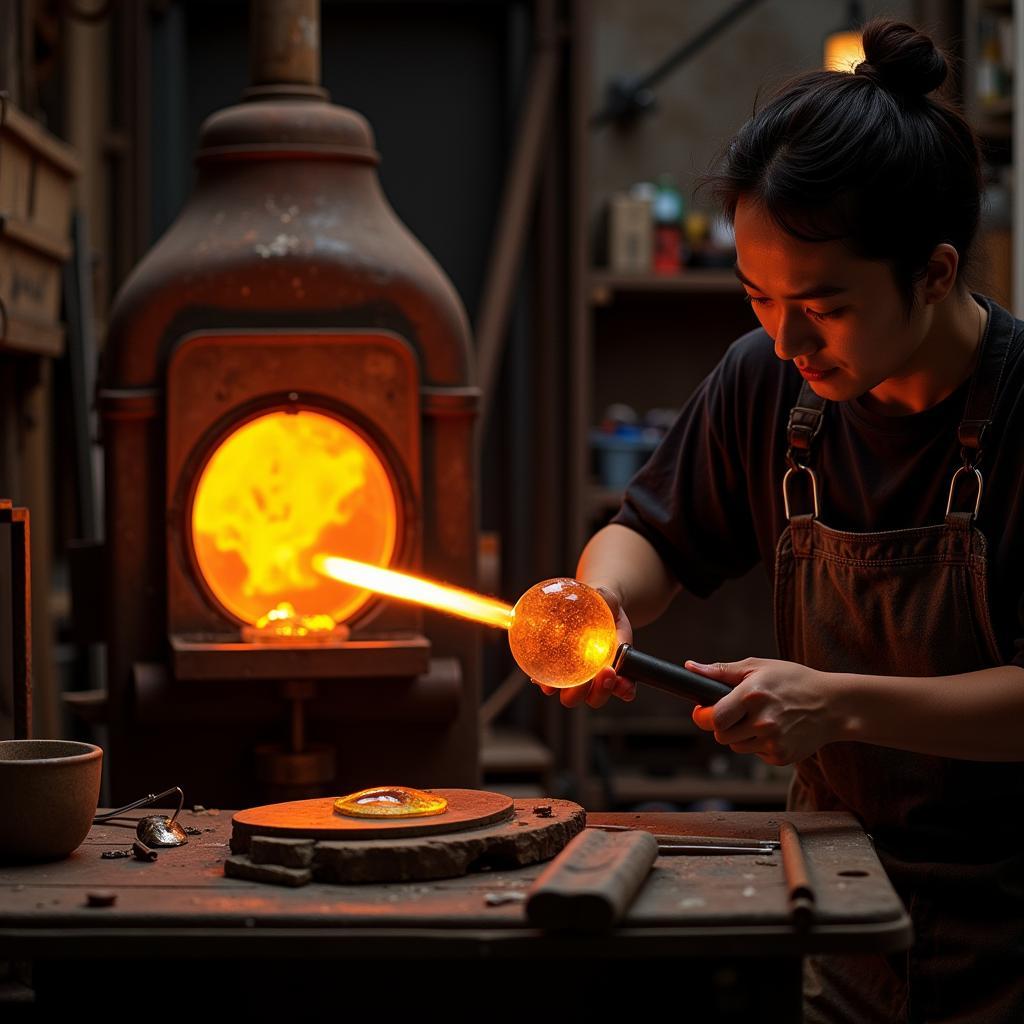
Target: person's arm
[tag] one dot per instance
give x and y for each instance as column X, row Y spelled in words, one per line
column 686, row 519
column 620, row 561
column 783, row 712
column 974, row 715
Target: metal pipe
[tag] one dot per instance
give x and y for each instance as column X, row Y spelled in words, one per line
column 284, row 42
column 517, row 203
column 664, row 675
column 298, row 732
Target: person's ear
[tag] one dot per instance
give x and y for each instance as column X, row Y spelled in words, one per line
column 940, row 274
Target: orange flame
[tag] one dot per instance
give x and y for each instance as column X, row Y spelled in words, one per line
column 278, row 489
column 561, row 631
column 454, row 600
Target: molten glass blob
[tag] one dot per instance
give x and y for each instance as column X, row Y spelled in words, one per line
column 279, row 489
column 284, row 623
column 390, row 802
column 562, row 632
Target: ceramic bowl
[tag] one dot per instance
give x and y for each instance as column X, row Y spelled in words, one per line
column 48, row 795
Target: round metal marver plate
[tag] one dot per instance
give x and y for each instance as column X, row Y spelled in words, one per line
column 316, row 819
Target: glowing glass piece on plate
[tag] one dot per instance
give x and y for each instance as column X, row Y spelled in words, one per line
column 390, row 802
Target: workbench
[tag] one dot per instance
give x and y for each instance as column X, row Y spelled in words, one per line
column 711, row 934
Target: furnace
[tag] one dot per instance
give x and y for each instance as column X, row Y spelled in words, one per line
column 288, row 374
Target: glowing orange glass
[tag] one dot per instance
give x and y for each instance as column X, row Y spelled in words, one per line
column 562, row 632
column 390, row 802
column 277, row 490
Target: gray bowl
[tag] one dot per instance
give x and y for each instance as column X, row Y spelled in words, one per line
column 48, row 795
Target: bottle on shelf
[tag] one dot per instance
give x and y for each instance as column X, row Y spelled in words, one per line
column 992, row 80
column 631, row 230
column 668, row 227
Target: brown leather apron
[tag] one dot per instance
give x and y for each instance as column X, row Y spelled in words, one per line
column 911, row 602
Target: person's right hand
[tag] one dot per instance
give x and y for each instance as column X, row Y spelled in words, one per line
column 606, row 684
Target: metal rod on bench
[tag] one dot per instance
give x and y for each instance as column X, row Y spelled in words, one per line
column 21, row 602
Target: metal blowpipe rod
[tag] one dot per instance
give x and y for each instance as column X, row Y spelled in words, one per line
column 664, row 675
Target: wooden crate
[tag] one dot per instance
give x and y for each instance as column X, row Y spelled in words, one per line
column 37, row 172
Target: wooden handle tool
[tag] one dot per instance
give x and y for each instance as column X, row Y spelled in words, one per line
column 801, row 893
column 591, row 883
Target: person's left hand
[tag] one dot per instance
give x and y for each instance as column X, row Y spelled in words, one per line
column 778, row 710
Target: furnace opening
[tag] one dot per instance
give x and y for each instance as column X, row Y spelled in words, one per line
column 277, row 491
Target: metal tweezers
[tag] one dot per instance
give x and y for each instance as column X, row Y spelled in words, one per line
column 700, row 846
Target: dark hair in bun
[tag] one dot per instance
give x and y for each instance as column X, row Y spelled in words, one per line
column 871, row 158
column 901, row 59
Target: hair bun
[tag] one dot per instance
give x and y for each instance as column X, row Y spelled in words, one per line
column 901, row 59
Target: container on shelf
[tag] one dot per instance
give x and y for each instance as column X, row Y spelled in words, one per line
column 668, row 227
column 630, row 234
column 620, row 454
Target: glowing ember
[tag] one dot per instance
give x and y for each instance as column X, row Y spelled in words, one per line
column 284, row 621
column 280, row 488
column 561, row 631
column 390, row 802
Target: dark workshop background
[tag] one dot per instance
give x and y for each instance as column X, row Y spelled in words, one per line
column 444, row 85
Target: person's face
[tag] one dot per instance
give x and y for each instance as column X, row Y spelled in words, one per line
column 839, row 318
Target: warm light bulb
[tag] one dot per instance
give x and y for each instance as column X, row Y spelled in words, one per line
column 390, row 802
column 562, row 632
column 844, row 50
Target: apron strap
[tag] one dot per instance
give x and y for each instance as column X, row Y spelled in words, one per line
column 975, row 430
column 805, row 422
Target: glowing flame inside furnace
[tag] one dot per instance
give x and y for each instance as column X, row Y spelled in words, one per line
column 276, row 491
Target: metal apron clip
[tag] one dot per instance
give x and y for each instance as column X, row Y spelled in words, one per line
column 952, row 487
column 797, row 468
column 805, row 422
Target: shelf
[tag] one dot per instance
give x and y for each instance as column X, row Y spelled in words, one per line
column 993, row 128
column 606, row 284
column 635, row 787
column 510, row 752
column 1000, row 108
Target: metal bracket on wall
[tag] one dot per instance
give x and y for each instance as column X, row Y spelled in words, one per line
column 629, row 96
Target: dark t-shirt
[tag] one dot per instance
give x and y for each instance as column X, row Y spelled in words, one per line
column 710, row 497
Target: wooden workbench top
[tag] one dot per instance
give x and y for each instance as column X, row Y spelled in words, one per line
column 735, row 904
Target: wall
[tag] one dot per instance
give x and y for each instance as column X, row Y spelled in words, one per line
column 704, row 101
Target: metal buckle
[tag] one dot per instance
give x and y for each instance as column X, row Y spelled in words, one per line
column 952, row 487
column 797, row 468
